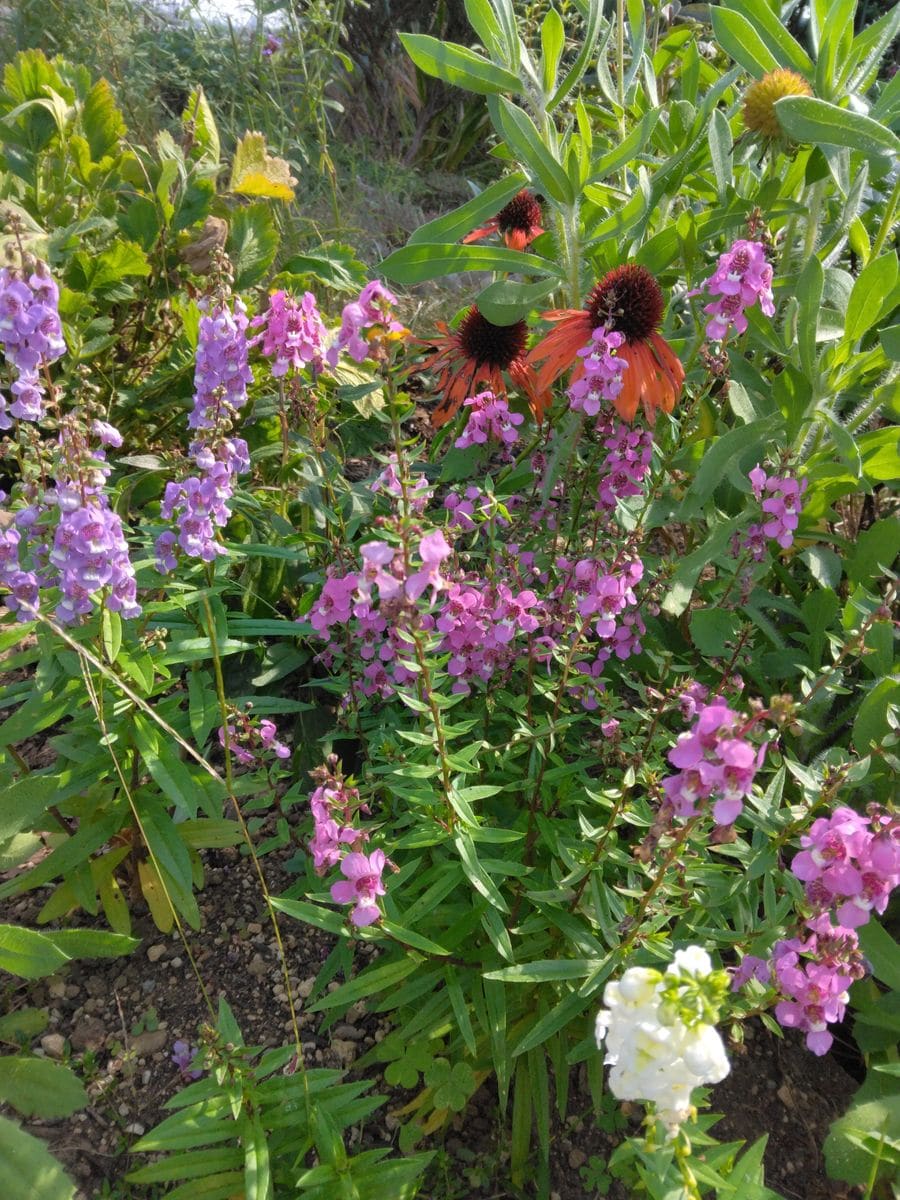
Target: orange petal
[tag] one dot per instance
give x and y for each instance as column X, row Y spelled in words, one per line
column 483, row 231
column 626, row 403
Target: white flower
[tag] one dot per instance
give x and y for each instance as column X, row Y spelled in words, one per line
column 654, row 1055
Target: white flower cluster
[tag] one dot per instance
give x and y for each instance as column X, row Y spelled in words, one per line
column 655, row 1054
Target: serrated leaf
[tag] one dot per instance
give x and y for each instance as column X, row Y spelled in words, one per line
column 199, row 116
column 255, row 172
column 102, row 121
column 252, row 243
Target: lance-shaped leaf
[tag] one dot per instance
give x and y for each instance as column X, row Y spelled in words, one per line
column 421, row 261
column 459, row 66
column 807, row 119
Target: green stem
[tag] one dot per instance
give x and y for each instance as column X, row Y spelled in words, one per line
column 887, row 222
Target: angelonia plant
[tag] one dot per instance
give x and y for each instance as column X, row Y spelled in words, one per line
column 587, row 590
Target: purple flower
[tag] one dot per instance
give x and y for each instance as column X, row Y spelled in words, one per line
column 715, row 762
column 489, row 420
column 374, row 307
column 221, row 371
column 183, row 1055
column 602, row 372
column 293, row 334
column 742, row 278
column 361, row 886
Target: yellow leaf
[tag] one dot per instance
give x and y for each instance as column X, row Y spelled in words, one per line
column 155, row 895
column 257, row 173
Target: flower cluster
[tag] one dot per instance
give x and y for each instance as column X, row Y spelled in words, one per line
column 782, row 501
column 221, row 372
column 67, row 537
column 418, row 490
column 813, row 975
column 742, row 278
column 486, row 626
column 31, row 337
column 489, row 420
column 373, row 309
column 715, row 762
column 251, row 741
column 850, row 863
column 623, row 470
column 600, row 377
column 475, row 508
column 660, row 1034
column 293, row 334
column 336, row 840
column 200, row 504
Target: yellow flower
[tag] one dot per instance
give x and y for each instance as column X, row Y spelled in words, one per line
column 760, row 114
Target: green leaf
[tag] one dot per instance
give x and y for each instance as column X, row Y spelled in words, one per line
column 737, row 37
column 194, row 1164
column 334, row 263
column 30, row 1172
column 772, row 32
column 626, row 150
column 845, row 1157
column 871, row 726
column 712, row 629
column 171, row 855
column 507, row 301
column 369, row 982
column 410, row 938
column 420, row 261
column 809, row 291
column 198, row 115
column 458, row 66
column 37, row 1087
column 720, row 151
column 91, row 943
column 544, row 970
column 880, row 453
column 475, row 873
column 807, row 119
column 553, row 41
column 882, row 952
column 25, row 801
column 588, row 50
column 252, row 243
column 876, row 549
column 102, row 122
column 871, row 292
column 29, row 954
column 519, row 131
column 742, row 446
column 456, row 224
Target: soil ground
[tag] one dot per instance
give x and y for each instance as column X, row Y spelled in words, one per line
column 116, row 1021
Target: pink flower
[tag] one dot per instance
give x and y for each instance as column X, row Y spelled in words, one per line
column 433, row 549
column 489, row 420
column 743, row 277
column 361, row 886
column 603, row 368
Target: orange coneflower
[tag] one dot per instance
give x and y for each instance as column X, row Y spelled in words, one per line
column 479, row 352
column 518, row 222
column 629, row 301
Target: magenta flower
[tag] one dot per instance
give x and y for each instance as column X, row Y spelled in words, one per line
column 489, row 420
column 374, row 306
column 292, row 334
column 742, row 278
column 361, row 886
column 603, row 368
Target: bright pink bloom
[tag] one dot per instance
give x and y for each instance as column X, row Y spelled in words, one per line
column 742, row 278
column 489, row 420
column 433, row 549
column 361, row 886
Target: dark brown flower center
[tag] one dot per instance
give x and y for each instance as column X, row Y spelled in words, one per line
column 522, row 212
column 494, row 345
column 629, row 300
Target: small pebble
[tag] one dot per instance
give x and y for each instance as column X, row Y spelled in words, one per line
column 155, row 953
